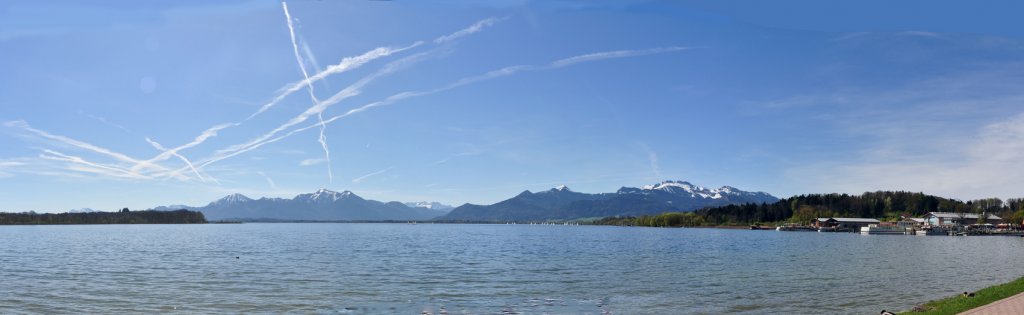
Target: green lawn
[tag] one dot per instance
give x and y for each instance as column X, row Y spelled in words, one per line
column 959, row 303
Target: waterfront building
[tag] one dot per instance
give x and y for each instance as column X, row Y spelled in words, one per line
column 958, row 219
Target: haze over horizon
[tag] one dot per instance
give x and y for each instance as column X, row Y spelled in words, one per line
column 139, row 105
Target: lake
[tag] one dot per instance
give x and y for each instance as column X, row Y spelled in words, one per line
column 334, row 268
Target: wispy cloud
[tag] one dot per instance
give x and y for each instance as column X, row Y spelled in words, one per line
column 311, row 162
column 364, row 177
column 453, row 156
column 105, row 121
column 960, row 135
column 991, row 165
column 921, row 34
column 269, row 180
column 306, row 51
column 5, row 165
column 652, row 159
column 476, row 27
column 612, row 55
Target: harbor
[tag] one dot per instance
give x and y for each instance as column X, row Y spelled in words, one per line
column 932, row 224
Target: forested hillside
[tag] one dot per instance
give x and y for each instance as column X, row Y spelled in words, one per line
column 884, row 205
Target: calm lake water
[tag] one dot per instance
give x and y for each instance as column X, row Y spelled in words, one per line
column 484, row 269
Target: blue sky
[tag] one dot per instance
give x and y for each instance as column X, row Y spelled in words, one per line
column 105, row 105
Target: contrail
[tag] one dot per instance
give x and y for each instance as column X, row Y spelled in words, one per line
column 346, row 64
column 96, row 168
column 352, row 90
column 350, row 63
column 166, row 154
column 361, row 178
column 312, row 94
column 476, row 27
column 87, row 146
column 267, row 139
column 269, row 181
column 306, row 51
column 179, row 156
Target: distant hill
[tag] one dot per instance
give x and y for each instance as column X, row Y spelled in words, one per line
column 322, row 205
column 563, row 203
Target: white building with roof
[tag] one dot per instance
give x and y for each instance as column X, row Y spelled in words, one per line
column 958, row 219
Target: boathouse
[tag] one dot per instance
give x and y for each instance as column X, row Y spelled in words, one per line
column 959, row 219
column 852, row 224
column 911, row 222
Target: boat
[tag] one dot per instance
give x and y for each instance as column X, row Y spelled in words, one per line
column 933, row 230
column 795, row 228
column 875, row 229
column 834, row 229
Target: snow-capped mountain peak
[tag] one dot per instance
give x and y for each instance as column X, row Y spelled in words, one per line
column 686, row 188
column 231, row 199
column 559, row 188
column 324, row 195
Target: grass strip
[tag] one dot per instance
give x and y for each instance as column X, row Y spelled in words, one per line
column 960, row 303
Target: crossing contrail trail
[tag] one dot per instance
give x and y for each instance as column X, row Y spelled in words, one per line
column 91, row 167
column 394, row 98
column 350, row 91
column 90, row 147
column 312, row 93
column 168, row 153
column 179, row 156
column 347, row 64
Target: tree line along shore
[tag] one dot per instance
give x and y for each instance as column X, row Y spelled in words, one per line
column 124, row 216
column 883, row 205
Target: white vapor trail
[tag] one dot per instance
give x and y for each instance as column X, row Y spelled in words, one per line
column 312, row 93
column 346, row 64
column 166, row 154
column 267, row 139
column 361, row 178
column 269, row 181
column 352, row 90
column 306, row 51
column 91, row 167
column 179, row 156
column 476, row 27
column 90, row 147
column 350, row 63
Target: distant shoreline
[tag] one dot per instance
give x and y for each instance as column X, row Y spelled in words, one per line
column 121, row 217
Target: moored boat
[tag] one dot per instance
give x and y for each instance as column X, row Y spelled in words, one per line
column 875, row 229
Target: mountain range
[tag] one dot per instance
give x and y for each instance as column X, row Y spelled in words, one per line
column 322, row 205
column 558, row 203
column 562, row 203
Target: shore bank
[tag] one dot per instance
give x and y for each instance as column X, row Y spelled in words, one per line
column 960, row 303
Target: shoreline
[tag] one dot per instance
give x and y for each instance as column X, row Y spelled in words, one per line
column 960, row 303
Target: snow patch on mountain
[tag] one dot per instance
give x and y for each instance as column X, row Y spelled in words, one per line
column 324, row 195
column 432, row 205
